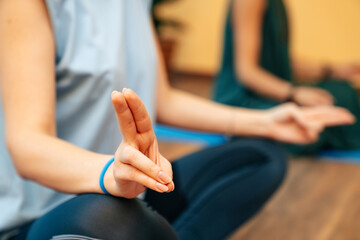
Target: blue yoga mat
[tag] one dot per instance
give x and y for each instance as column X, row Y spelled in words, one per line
column 171, row 134
column 349, row 156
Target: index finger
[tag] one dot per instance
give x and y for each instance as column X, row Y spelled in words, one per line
column 124, row 115
column 138, row 110
column 330, row 115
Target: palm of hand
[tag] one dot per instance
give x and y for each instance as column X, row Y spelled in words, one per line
column 285, row 127
column 312, row 96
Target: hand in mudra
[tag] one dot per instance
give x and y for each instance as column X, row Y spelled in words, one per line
column 302, row 125
column 138, row 164
column 312, row 96
column 346, row 71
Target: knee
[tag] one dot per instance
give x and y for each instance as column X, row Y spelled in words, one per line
column 125, row 219
column 345, row 87
column 103, row 217
column 273, row 159
column 275, row 165
column 345, row 95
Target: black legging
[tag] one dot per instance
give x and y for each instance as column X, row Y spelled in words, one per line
column 104, row 217
column 217, row 189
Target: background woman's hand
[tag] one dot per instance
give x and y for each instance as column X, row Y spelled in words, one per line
column 311, row 96
column 302, row 125
column 138, row 164
column 346, row 71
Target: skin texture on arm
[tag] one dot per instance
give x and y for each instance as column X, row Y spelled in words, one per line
column 27, row 84
column 287, row 123
column 182, row 109
column 247, row 18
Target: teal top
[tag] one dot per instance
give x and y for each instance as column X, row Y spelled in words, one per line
column 100, row 46
column 274, row 58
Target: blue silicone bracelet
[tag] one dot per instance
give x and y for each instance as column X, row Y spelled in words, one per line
column 101, row 179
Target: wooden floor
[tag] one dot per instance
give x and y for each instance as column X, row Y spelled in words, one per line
column 318, row 200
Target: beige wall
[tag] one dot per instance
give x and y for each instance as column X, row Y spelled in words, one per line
column 326, row 30
column 322, row 30
column 199, row 43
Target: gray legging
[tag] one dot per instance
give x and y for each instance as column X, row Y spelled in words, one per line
column 217, row 190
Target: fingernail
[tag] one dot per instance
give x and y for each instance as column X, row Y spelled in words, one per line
column 114, row 92
column 162, row 187
column 172, row 187
column 124, row 90
column 164, row 177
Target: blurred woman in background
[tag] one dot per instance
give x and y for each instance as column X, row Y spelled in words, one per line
column 67, row 172
column 258, row 72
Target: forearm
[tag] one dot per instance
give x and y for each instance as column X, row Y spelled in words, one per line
column 55, row 163
column 264, row 83
column 188, row 111
column 27, row 84
column 247, row 21
column 178, row 108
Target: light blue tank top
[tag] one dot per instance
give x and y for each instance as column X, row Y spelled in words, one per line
column 100, row 46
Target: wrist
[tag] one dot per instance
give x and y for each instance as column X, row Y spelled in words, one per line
column 327, row 72
column 265, row 129
column 104, row 173
column 290, row 93
column 107, row 178
column 254, row 123
column 88, row 179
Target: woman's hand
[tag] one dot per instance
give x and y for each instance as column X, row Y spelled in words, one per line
column 138, row 164
column 345, row 71
column 293, row 124
column 311, row 96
